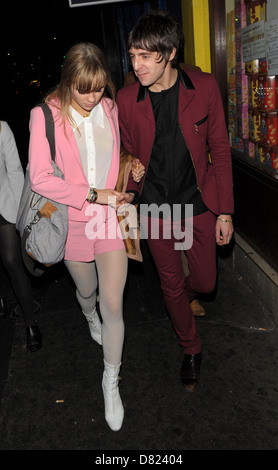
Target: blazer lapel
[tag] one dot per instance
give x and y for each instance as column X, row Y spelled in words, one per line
column 64, row 134
column 114, row 167
column 72, row 143
column 145, row 108
column 185, row 98
column 144, row 105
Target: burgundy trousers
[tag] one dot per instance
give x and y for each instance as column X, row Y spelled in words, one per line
column 178, row 290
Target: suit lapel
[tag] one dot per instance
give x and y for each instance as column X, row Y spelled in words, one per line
column 72, row 142
column 114, row 167
column 64, row 134
column 185, row 98
column 145, row 108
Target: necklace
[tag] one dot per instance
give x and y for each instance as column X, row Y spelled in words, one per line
column 86, row 115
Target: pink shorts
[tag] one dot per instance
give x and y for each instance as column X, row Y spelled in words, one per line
column 98, row 235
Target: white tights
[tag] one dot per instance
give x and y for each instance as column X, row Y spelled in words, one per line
column 108, row 271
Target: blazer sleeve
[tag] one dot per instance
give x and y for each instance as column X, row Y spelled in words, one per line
column 70, row 191
column 126, row 95
column 220, row 151
column 13, row 165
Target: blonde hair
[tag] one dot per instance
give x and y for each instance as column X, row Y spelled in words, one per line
column 84, row 67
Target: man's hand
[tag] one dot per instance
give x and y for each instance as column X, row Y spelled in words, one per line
column 138, row 170
column 224, row 229
column 125, row 198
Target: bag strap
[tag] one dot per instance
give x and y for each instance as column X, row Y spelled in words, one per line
column 35, row 268
column 49, row 127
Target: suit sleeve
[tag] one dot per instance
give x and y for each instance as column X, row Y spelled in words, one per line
column 42, row 178
column 12, row 162
column 124, row 127
column 126, row 140
column 219, row 147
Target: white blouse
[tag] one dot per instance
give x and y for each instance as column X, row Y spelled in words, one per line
column 94, row 139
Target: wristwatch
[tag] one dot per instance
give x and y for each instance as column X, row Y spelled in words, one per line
column 93, row 195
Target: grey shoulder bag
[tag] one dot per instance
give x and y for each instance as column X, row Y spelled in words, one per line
column 41, row 222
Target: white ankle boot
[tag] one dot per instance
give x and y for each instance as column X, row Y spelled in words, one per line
column 114, row 410
column 94, row 325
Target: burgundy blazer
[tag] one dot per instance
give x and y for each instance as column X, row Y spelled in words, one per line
column 202, row 122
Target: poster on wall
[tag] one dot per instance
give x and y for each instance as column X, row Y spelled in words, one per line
column 271, row 43
column 253, row 41
column 271, row 9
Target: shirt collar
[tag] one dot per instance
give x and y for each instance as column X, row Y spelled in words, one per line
column 96, row 115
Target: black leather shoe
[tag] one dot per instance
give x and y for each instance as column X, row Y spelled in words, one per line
column 34, row 338
column 190, row 371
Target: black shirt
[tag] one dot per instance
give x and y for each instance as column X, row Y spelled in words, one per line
column 170, row 177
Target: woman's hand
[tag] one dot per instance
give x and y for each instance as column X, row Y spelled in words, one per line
column 224, row 229
column 125, row 198
column 137, row 170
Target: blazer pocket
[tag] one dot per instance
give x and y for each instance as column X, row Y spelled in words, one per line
column 197, row 124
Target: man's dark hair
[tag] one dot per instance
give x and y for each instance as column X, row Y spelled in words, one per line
column 157, row 31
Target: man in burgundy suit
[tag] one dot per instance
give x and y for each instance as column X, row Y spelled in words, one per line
column 173, row 121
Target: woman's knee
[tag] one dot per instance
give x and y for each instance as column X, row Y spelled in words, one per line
column 85, row 294
column 10, row 261
column 112, row 310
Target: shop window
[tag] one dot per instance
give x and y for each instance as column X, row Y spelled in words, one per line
column 252, row 74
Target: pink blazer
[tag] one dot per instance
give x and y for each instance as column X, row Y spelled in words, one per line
column 73, row 190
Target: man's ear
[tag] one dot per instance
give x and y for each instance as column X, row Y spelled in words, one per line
column 173, row 54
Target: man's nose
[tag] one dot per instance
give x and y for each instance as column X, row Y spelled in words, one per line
column 136, row 63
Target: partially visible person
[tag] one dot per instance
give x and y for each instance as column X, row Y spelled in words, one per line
column 88, row 153
column 173, row 121
column 11, row 185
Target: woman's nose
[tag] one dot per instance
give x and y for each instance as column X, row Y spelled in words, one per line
column 92, row 97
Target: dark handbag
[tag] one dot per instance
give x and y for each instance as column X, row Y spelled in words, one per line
column 41, row 222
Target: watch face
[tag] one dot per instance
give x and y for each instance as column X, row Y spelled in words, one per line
column 93, row 195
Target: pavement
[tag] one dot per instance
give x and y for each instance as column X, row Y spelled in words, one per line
column 52, row 399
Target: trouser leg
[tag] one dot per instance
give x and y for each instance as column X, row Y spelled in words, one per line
column 202, row 256
column 178, row 291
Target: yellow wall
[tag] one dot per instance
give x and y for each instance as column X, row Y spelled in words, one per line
column 195, row 15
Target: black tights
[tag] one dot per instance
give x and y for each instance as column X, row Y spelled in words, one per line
column 12, row 260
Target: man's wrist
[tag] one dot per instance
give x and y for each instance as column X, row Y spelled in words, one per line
column 135, row 196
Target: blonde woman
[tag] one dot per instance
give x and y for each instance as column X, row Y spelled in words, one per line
column 87, row 151
column 11, row 184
